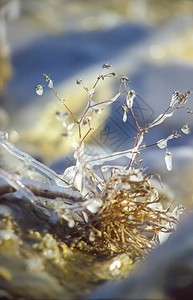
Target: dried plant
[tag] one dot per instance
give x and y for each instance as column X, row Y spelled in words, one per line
column 112, row 212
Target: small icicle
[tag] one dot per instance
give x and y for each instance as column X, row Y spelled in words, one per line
column 124, row 116
column 50, row 84
column 130, row 97
column 168, row 160
column 125, row 109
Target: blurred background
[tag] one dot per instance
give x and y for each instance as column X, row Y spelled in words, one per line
column 150, row 41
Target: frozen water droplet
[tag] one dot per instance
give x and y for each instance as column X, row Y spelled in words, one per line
column 162, row 143
column 39, row 89
column 185, row 129
column 50, row 84
column 168, row 160
column 124, row 116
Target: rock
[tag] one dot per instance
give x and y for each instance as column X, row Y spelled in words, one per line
column 166, row 274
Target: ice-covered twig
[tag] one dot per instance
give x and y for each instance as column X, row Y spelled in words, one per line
column 178, row 99
column 43, row 169
column 44, row 190
column 13, row 181
column 100, row 159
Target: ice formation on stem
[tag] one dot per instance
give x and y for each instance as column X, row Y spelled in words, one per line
column 118, row 211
